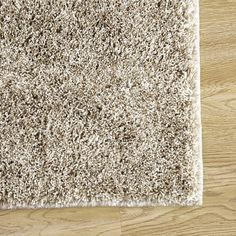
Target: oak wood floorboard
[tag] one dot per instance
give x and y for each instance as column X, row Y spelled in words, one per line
column 58, row 222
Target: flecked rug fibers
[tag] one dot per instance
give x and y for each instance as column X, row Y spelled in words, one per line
column 99, row 103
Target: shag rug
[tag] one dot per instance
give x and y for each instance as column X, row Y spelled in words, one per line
column 99, row 103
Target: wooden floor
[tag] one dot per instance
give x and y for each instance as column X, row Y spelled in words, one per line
column 218, row 214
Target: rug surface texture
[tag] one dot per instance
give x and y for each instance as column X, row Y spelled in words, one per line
column 99, row 103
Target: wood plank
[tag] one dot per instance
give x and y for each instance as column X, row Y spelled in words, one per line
column 58, row 222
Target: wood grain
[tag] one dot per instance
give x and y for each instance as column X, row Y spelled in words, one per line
column 55, row 222
column 218, row 214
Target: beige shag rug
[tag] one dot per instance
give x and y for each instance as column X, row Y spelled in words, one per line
column 99, row 103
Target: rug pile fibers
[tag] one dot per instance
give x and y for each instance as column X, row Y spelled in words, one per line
column 99, row 103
